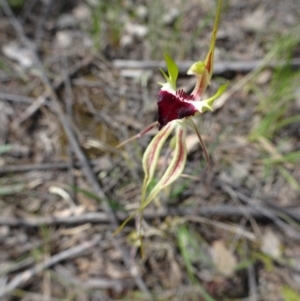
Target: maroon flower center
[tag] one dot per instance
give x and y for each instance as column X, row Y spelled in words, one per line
column 171, row 107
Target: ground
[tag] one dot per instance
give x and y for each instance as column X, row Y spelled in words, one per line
column 79, row 77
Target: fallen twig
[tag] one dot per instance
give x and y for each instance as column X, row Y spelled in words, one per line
column 220, row 211
column 219, row 67
column 17, row 98
column 39, row 166
column 274, row 214
column 253, row 291
column 23, row 278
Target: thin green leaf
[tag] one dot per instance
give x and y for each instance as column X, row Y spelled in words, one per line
column 292, row 157
column 287, row 121
column 289, row 178
column 114, row 205
column 188, row 248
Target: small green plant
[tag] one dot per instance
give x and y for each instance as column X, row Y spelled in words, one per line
column 276, row 102
column 106, row 24
column 276, row 109
column 16, row 3
column 290, row 294
column 114, row 205
column 190, row 251
column 163, row 37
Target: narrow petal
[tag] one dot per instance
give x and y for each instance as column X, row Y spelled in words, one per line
column 142, row 133
column 171, row 107
column 152, row 153
column 175, row 168
column 177, row 165
column 171, row 174
column 206, row 104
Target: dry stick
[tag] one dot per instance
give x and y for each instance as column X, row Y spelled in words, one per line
column 219, row 211
column 34, row 107
column 41, row 166
column 267, row 212
column 99, row 283
column 24, row 263
column 78, row 151
column 75, row 68
column 253, row 67
column 40, row 26
column 26, row 10
column 17, row 98
column 219, row 67
column 35, row 104
column 69, row 108
column 253, row 295
column 23, row 278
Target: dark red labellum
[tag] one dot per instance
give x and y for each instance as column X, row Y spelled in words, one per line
column 171, row 107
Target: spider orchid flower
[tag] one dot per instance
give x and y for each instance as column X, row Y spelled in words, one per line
column 175, row 109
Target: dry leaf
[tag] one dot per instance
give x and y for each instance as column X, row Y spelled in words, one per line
column 223, row 259
column 271, row 244
column 191, row 142
column 175, row 274
column 256, row 21
column 16, row 52
column 264, row 77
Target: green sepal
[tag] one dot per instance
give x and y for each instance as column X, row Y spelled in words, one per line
column 173, row 72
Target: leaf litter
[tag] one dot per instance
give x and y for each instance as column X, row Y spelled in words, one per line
column 121, row 107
